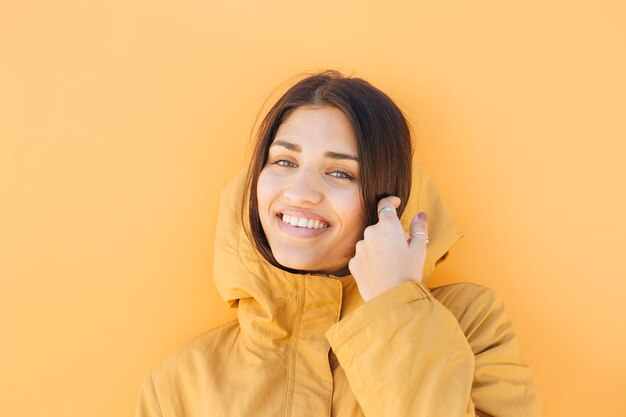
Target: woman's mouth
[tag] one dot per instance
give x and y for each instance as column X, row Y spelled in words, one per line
column 302, row 222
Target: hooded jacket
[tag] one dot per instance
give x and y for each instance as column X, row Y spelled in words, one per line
column 308, row 345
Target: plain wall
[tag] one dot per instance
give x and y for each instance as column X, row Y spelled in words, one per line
column 121, row 121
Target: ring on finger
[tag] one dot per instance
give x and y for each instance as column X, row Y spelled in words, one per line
column 384, row 209
column 420, row 233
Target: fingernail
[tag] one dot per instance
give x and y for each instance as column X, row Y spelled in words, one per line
column 421, row 215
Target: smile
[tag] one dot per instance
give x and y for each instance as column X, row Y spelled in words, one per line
column 303, row 222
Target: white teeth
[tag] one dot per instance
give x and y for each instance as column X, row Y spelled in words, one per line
column 304, row 222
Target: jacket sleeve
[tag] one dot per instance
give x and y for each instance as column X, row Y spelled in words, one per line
column 148, row 403
column 406, row 354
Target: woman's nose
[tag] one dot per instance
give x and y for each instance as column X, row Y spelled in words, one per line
column 303, row 189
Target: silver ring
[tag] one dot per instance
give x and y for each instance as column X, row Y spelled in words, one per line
column 420, row 233
column 384, row 209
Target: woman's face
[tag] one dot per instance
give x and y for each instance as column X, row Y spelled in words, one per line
column 308, row 192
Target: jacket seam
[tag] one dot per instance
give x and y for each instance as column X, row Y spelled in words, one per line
column 156, row 397
column 293, row 350
column 330, row 349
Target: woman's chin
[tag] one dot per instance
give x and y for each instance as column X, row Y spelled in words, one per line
column 314, row 266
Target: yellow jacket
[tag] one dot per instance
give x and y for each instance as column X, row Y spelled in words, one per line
column 307, row 345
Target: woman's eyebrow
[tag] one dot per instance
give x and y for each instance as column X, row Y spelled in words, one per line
column 339, row 155
column 288, row 145
column 296, row 148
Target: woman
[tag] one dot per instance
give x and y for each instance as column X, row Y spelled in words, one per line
column 319, row 248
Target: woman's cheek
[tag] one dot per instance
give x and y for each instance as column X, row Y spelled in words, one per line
column 264, row 189
column 353, row 217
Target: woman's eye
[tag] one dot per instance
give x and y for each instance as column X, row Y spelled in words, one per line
column 284, row 163
column 341, row 174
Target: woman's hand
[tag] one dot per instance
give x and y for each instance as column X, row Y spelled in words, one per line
column 384, row 258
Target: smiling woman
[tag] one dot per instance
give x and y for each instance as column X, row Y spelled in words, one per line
column 309, row 188
column 351, row 134
column 324, row 246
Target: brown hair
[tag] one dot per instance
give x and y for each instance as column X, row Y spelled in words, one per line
column 382, row 135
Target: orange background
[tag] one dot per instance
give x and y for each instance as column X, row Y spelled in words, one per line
column 120, row 121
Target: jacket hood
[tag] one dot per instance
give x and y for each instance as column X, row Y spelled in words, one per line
column 241, row 272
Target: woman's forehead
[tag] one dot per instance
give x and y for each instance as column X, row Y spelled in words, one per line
column 311, row 128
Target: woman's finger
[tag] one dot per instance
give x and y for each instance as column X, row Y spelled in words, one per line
column 418, row 231
column 387, row 207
